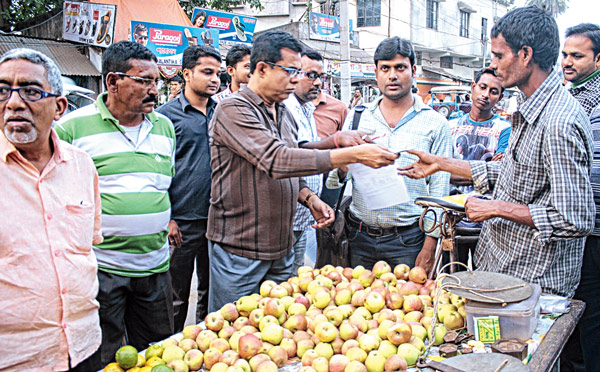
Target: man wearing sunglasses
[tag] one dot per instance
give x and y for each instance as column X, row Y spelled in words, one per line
column 51, row 216
column 133, row 149
column 257, row 167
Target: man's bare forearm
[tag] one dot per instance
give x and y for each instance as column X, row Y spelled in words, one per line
column 460, row 168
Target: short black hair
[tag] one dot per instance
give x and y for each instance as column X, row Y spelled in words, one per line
column 139, row 28
column 176, row 79
column 389, row 48
column 118, row 56
column 534, row 27
column 312, row 54
column 486, row 70
column 191, row 55
column 589, row 30
column 236, row 54
column 267, row 47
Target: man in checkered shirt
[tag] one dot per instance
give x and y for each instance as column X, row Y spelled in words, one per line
column 542, row 207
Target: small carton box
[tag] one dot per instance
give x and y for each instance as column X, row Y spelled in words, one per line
column 517, row 320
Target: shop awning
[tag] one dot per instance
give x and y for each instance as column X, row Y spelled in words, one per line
column 68, row 56
column 444, row 73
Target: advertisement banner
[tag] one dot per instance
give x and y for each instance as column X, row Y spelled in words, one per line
column 168, row 42
column 89, row 23
column 357, row 70
column 232, row 28
column 325, row 27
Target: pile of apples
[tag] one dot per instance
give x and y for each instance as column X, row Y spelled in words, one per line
column 333, row 319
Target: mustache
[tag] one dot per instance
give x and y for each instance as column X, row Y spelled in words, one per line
column 150, row 98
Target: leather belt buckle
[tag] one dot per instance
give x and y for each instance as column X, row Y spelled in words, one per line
column 375, row 232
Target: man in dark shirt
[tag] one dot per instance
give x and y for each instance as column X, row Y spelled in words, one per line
column 256, row 163
column 581, row 64
column 190, row 189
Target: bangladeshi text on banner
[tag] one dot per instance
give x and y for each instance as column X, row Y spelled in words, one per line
column 168, row 42
column 233, row 28
column 326, row 27
column 89, row 23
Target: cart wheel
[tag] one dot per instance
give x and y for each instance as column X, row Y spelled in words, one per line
column 444, row 110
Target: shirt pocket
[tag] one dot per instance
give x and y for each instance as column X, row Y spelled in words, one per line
column 80, row 219
column 524, row 183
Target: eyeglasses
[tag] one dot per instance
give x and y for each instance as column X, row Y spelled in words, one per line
column 26, row 93
column 293, row 72
column 141, row 37
column 315, row 75
column 146, row 82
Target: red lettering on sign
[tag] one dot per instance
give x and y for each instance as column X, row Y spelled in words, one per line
column 159, row 35
column 326, row 22
column 218, row 22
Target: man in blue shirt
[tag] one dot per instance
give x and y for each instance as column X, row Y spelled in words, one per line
column 190, row 113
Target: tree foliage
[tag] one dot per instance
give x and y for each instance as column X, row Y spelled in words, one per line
column 554, row 7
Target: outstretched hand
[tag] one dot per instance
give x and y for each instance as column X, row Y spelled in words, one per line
column 322, row 212
column 375, row 156
column 425, row 166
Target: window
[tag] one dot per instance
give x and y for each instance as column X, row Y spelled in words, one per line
column 368, row 13
column 484, row 29
column 419, row 58
column 446, row 62
column 464, row 23
column 432, row 14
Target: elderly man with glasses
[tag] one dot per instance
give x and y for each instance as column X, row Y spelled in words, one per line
column 133, row 149
column 257, row 167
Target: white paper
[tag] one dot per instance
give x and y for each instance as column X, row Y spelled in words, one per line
column 381, row 187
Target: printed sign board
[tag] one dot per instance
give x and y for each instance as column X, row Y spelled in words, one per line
column 325, row 27
column 89, row 23
column 232, row 28
column 168, row 42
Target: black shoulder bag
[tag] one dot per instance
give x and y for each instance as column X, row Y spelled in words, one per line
column 332, row 241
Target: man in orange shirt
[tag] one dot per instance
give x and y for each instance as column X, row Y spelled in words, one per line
column 51, row 208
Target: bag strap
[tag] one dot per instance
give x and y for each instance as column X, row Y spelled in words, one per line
column 358, row 110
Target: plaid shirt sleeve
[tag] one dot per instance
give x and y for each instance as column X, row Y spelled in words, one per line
column 568, row 215
column 484, row 175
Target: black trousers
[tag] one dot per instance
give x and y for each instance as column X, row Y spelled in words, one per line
column 585, row 341
column 139, row 308
column 194, row 247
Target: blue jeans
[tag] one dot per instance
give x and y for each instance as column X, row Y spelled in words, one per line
column 233, row 276
column 299, row 248
column 395, row 249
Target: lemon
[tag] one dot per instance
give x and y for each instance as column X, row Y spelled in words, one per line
column 154, row 351
column 113, row 367
column 162, row 368
column 141, row 361
column 134, row 369
column 146, row 369
column 127, row 356
column 154, row 361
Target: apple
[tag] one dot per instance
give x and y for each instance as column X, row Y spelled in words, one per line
column 355, row 366
column 368, row 342
column 366, row 278
column 321, row 364
column 359, row 322
column 278, row 355
column 424, row 291
column 343, row 296
column 304, row 270
column 337, row 344
column 246, row 304
column 412, row 303
column 347, row 273
column 303, row 346
column 380, row 268
column 241, row 322
column 322, row 298
column 296, row 308
column 255, row 317
column 296, row 323
column 324, row 349
column 267, row 320
column 418, row 343
column 248, row 346
column 401, row 271
column 194, row 359
column 234, row 340
column 169, row 342
column 375, row 362
column 220, row 344
column 265, row 288
column 408, row 288
column 272, row 333
column 256, row 360
column 205, row 338
column 172, row 352
column 356, row 353
column 289, row 345
column 346, row 310
column 383, row 328
column 214, row 321
column 304, row 282
column 453, row 320
column 399, row 334
column 413, row 316
column 358, row 298
column 334, row 316
column 355, row 286
column 219, row 367
column 188, row 344
column 278, row 291
column 348, row 330
column 362, row 311
column 418, row 331
column 300, row 335
column 443, row 310
column 211, row 357
column 226, row 332
column 267, row 366
column 248, row 329
column 389, row 279
column 386, row 348
column 410, row 353
column 462, row 312
column 308, row 357
column 243, row 365
column 302, row 300
column 335, row 277
column 229, row 312
column 417, row 274
column 192, row 331
column 178, row 365
column 399, row 314
column 229, row 357
column 374, row 302
column 439, row 333
column 338, row 363
column 395, row 363
column 348, row 345
column 274, row 307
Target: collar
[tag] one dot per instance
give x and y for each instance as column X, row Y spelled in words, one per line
column 418, row 104
column 582, row 82
column 322, row 99
column 294, row 100
column 7, row 148
column 254, row 98
column 185, row 104
column 533, row 106
column 108, row 116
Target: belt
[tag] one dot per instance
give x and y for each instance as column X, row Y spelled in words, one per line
column 375, row 231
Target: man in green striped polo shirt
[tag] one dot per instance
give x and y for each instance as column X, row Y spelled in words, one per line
column 133, row 149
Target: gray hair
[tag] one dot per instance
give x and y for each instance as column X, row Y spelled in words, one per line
column 52, row 72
